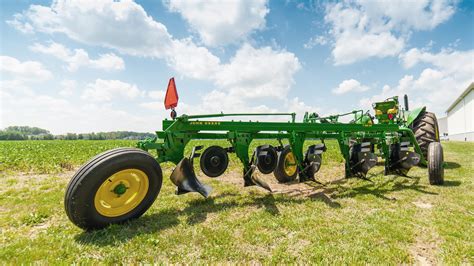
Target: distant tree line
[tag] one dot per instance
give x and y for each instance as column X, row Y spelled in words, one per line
column 35, row 133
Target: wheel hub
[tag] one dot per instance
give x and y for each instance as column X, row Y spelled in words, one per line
column 120, row 189
column 215, row 161
column 121, row 192
column 290, row 164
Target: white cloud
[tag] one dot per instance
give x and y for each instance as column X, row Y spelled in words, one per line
column 31, row 71
column 65, row 115
column 452, row 62
column 126, row 27
column 105, row 90
column 23, row 27
column 316, row 40
column 157, row 95
column 25, row 106
column 123, row 26
column 222, row 22
column 362, row 29
column 437, row 86
column 67, row 87
column 348, row 86
column 79, row 58
column 352, row 47
column 192, row 61
column 262, row 72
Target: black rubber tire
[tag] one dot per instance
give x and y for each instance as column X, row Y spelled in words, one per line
column 435, row 163
column 205, row 162
column 279, row 171
column 81, row 190
column 425, row 128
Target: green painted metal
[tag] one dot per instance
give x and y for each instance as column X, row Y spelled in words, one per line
column 171, row 142
column 387, row 112
column 410, row 116
column 120, row 189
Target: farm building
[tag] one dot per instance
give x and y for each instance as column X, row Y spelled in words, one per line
column 460, row 116
column 443, row 127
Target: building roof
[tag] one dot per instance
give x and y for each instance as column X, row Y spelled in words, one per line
column 465, row 92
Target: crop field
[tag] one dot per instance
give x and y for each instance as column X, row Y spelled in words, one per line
column 388, row 220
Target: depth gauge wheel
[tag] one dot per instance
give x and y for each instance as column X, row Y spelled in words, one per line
column 287, row 168
column 113, row 187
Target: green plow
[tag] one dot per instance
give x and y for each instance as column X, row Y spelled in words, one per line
column 398, row 138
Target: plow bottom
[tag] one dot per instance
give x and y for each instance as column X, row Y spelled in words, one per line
column 362, row 159
column 185, row 179
column 402, row 159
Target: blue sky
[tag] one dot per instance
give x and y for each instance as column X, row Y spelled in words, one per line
column 81, row 66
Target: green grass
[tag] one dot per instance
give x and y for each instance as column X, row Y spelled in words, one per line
column 393, row 220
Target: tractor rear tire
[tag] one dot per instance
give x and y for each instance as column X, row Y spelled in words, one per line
column 91, row 202
column 435, row 163
column 286, row 169
column 425, row 128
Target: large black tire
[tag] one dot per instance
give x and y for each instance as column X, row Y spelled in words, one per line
column 82, row 189
column 280, row 174
column 425, row 128
column 435, row 163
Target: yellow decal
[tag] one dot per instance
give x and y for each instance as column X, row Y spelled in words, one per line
column 209, row 123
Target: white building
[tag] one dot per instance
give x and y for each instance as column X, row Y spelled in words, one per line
column 443, row 127
column 460, row 116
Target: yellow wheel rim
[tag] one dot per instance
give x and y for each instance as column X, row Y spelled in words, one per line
column 289, row 164
column 121, row 192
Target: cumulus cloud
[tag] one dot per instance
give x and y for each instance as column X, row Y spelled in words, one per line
column 105, row 90
column 126, row 28
column 348, row 86
column 79, row 58
column 123, row 26
column 362, row 29
column 262, row 72
column 30, row 71
column 222, row 22
column 449, row 72
column 66, row 115
column 157, row 95
column 316, row 40
column 67, row 87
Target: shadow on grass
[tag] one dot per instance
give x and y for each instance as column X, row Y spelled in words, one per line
column 451, row 183
column 380, row 189
column 196, row 212
column 451, row 165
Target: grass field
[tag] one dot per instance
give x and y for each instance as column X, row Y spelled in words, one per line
column 391, row 220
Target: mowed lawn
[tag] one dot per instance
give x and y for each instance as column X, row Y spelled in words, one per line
column 391, row 220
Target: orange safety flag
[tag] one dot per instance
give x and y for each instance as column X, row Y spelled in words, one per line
column 171, row 98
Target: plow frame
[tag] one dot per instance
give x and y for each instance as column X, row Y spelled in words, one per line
column 171, row 142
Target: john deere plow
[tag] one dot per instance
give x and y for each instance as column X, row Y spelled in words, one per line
column 121, row 184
